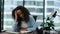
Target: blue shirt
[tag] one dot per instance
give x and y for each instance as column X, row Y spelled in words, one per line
column 31, row 24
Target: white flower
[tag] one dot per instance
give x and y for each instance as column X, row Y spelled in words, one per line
column 45, row 20
column 48, row 21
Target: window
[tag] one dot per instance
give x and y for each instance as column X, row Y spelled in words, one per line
column 50, row 9
column 20, row 3
column 29, row 2
column 50, row 3
column 7, row 16
column 39, row 3
column 39, row 10
column 8, row 23
column 40, row 17
column 57, row 24
column 7, row 3
column 39, row 23
column 9, row 9
column 31, row 9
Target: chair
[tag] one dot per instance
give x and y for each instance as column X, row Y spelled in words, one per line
column 35, row 17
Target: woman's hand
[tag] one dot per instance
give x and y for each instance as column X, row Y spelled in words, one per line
column 15, row 16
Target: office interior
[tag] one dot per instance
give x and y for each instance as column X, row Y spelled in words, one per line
column 40, row 9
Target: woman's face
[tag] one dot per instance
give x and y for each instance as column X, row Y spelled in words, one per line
column 19, row 13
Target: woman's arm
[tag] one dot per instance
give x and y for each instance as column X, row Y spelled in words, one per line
column 15, row 22
column 15, row 17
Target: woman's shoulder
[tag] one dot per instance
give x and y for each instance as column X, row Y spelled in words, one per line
column 31, row 16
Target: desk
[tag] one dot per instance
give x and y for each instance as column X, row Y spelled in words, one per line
column 51, row 32
column 11, row 32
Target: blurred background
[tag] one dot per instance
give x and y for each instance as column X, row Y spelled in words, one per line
column 39, row 8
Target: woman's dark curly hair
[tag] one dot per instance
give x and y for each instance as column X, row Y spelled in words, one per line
column 24, row 11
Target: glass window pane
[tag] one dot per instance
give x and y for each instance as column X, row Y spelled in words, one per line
column 50, row 3
column 39, row 10
column 39, row 3
column 29, row 2
column 20, row 3
column 40, row 17
column 50, row 9
column 7, row 2
column 38, row 23
column 8, row 23
column 8, row 16
column 9, row 9
column 31, row 9
column 57, row 24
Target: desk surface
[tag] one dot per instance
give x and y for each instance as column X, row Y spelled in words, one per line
column 51, row 31
column 10, row 32
column 7, row 33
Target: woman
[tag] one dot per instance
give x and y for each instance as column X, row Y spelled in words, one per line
column 24, row 21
